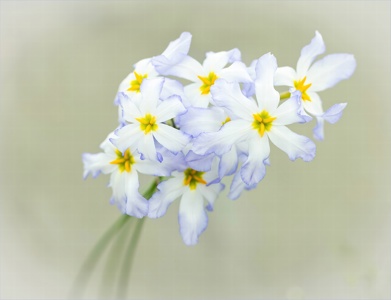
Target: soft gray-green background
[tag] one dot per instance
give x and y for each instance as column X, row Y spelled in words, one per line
column 309, row 231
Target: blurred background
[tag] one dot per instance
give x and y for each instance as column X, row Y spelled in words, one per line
column 318, row 230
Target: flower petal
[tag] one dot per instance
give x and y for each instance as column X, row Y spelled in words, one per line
column 334, row 113
column 229, row 96
column 267, row 97
column 254, row 168
column 221, row 142
column 210, row 193
column 127, row 137
column 228, row 163
column 314, row 107
column 330, row 70
column 215, row 61
column 318, row 130
column 237, row 72
column 146, row 146
column 168, row 191
column 150, row 90
column 192, row 218
column 170, row 138
column 290, row 112
column 95, row 164
column 285, row 76
column 178, row 47
column 293, row 144
column 309, row 53
column 198, row 120
column 136, row 205
column 199, row 162
column 169, row 109
column 188, row 68
column 194, row 96
column 237, row 187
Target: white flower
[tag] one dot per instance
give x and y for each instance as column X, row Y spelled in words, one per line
column 310, row 78
column 204, row 76
column 145, row 122
column 255, row 122
column 124, row 167
column 192, row 187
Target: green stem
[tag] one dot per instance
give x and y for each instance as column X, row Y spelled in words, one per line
column 285, row 95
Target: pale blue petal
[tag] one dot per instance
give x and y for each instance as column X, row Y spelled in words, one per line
column 136, row 204
column 309, row 53
column 229, row 96
column 330, row 70
column 237, row 72
column 127, row 137
column 198, row 120
column 172, row 87
column 291, row 111
column 188, row 68
column 95, row 164
column 238, row 186
column 293, row 144
column 318, row 130
column 267, row 97
column 171, row 138
column 192, row 217
column 168, row 191
column 210, row 193
column 199, row 162
column 254, row 169
column 228, row 163
column 334, row 113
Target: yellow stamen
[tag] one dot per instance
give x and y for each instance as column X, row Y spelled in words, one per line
column 228, row 119
column 135, row 84
column 302, row 87
column 124, row 161
column 148, row 123
column 193, row 177
column 262, row 122
column 207, row 81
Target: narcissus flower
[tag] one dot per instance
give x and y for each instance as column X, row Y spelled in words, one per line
column 310, row 78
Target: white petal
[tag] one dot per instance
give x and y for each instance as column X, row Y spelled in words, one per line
column 199, row 162
column 188, row 68
column 289, row 112
column 171, row 138
column 309, row 53
column 95, row 164
column 169, row 109
column 314, row 107
column 221, row 142
column 228, row 163
column 146, row 146
column 237, row 187
column 229, row 96
column 267, row 97
column 198, row 120
column 210, row 193
column 215, row 61
column 293, row 144
column 169, row 190
column 180, row 46
column 136, row 205
column 194, row 96
column 130, row 111
column 254, row 169
column 127, row 137
column 192, row 218
column 172, row 87
column 285, row 76
column 237, row 72
column 318, row 130
column 150, row 90
column 334, row 113
column 330, row 70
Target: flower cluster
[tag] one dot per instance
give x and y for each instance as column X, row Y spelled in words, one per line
column 190, row 137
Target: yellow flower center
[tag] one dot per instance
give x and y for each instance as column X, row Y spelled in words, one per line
column 207, row 81
column 302, row 87
column 192, row 177
column 263, row 122
column 124, row 161
column 135, row 84
column 148, row 123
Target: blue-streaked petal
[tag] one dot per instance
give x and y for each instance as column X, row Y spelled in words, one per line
column 150, row 90
column 267, row 97
column 146, row 146
column 192, row 217
column 290, row 112
column 237, row 187
column 188, row 68
column 330, row 70
column 334, row 113
column 309, row 53
column 198, row 120
column 199, row 162
column 168, row 191
column 221, row 142
column 237, row 72
column 285, row 76
column 180, row 46
column 318, row 130
column 95, row 164
column 127, row 137
column 171, row 138
column 215, row 61
column 228, row 163
column 169, row 109
column 172, row 87
column 210, row 193
column 254, row 168
column 136, row 204
column 293, row 144
column 229, row 96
